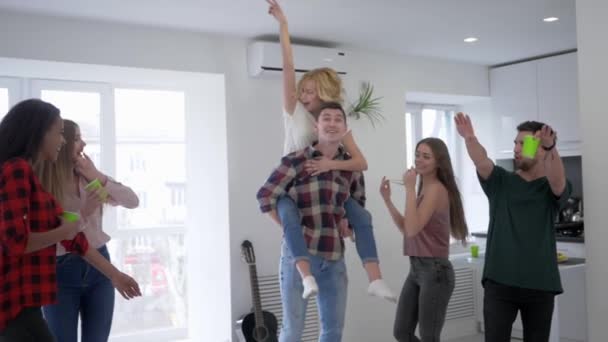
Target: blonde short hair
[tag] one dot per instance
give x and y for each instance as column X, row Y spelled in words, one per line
column 327, row 81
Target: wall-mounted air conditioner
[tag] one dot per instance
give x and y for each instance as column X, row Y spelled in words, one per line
column 266, row 57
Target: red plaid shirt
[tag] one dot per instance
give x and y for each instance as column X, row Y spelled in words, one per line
column 27, row 279
column 320, row 199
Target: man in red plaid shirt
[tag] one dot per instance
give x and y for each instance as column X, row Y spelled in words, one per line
column 320, row 200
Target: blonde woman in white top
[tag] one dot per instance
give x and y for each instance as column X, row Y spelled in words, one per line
column 83, row 290
column 302, row 101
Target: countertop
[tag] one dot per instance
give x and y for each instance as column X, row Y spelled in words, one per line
column 577, row 239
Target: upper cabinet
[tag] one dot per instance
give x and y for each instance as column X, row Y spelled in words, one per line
column 558, row 99
column 543, row 90
column 514, row 100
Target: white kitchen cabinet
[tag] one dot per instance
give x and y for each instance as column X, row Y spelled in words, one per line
column 543, row 90
column 514, row 100
column 558, row 100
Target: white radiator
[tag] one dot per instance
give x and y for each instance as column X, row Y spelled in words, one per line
column 462, row 303
column 270, row 294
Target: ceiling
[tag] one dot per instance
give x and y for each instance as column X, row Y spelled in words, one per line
column 508, row 30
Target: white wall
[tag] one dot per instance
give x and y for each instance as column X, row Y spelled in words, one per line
column 255, row 131
column 593, row 72
column 476, row 202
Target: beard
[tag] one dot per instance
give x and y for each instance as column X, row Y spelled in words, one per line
column 525, row 164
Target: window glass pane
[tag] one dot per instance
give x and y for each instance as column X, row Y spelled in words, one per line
column 84, row 108
column 158, row 265
column 3, row 102
column 151, row 156
column 409, row 139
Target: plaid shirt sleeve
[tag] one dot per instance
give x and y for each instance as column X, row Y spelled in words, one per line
column 15, row 189
column 357, row 188
column 79, row 244
column 276, row 185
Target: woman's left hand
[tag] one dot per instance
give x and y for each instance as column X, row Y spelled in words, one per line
column 409, row 179
column 318, row 165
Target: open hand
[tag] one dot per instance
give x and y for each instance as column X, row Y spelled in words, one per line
column 276, row 11
column 464, row 125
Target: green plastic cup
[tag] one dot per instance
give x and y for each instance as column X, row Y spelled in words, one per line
column 95, row 184
column 530, row 146
column 70, row 216
column 475, row 251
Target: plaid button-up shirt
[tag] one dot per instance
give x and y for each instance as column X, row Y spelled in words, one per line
column 27, row 279
column 320, row 199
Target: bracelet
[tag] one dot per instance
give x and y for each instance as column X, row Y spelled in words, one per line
column 550, row 147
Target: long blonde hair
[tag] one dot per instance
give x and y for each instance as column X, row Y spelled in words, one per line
column 55, row 176
column 327, row 82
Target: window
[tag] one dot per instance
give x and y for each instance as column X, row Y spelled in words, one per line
column 422, row 121
column 9, row 93
column 118, row 109
column 138, row 135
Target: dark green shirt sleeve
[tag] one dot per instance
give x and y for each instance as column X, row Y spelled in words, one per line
column 493, row 182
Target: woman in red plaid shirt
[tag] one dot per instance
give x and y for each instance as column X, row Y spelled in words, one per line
column 31, row 223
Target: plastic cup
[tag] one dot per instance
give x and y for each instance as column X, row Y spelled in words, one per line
column 94, row 185
column 530, row 146
column 475, row 251
column 70, row 216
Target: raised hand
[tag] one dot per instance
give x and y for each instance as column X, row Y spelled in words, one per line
column 409, row 179
column 86, row 168
column 385, row 189
column 547, row 136
column 276, row 11
column 464, row 125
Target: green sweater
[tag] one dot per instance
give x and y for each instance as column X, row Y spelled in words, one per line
column 520, row 249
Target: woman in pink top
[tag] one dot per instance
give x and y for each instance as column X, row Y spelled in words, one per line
column 430, row 217
column 83, row 291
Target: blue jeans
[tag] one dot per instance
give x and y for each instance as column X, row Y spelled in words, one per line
column 332, row 281
column 358, row 217
column 83, row 291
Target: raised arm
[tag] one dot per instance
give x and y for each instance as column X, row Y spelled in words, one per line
column 554, row 168
column 477, row 152
column 385, row 192
column 417, row 215
column 289, row 73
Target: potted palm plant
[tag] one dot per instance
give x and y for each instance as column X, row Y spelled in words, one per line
column 367, row 105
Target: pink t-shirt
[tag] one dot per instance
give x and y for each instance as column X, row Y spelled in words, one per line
column 91, row 225
column 433, row 240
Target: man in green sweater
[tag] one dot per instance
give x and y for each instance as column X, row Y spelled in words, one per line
column 520, row 271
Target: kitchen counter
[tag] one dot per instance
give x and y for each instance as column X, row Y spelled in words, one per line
column 577, row 239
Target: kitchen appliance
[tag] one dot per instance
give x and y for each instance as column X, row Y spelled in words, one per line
column 569, row 221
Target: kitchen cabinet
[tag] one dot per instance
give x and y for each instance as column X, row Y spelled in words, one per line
column 542, row 90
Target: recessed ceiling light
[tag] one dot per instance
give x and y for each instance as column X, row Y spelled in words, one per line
column 550, row 19
column 470, row 40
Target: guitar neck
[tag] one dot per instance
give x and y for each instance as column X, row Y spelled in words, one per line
column 255, row 295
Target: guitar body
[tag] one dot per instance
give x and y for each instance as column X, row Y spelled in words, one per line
column 259, row 325
column 249, row 333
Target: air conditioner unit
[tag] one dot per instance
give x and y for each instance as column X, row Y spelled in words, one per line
column 266, row 57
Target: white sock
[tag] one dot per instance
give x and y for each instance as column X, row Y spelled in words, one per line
column 310, row 287
column 379, row 288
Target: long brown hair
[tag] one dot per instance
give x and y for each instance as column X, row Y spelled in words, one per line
column 55, row 175
column 445, row 174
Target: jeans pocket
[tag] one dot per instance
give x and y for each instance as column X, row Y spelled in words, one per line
column 443, row 272
column 64, row 259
